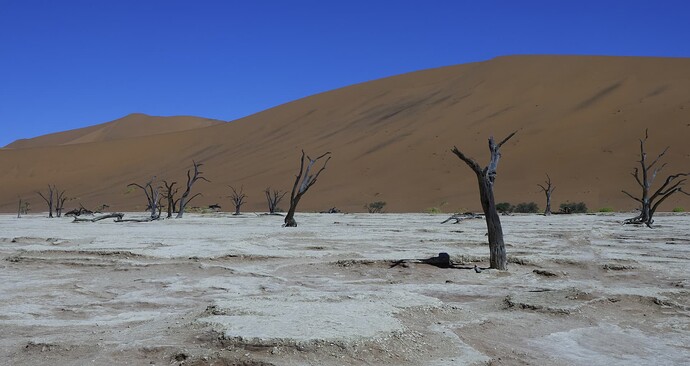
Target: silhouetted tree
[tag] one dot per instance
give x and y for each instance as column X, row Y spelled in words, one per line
column 19, row 207
column 169, row 196
column 547, row 191
column 152, row 197
column 237, row 198
column 61, row 198
column 644, row 176
column 49, row 198
column 303, row 181
column 273, row 198
column 191, row 179
column 486, row 178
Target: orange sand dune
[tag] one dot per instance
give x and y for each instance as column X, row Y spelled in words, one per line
column 578, row 119
column 133, row 125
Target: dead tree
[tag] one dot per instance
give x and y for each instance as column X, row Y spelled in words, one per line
column 169, row 196
column 303, row 181
column 237, row 198
column 49, row 198
column 61, row 198
column 24, row 207
column 19, row 208
column 644, row 176
column 152, row 196
column 191, row 179
column 547, row 191
column 273, row 198
column 486, row 178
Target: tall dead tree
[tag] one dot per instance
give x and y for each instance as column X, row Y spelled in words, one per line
column 237, row 198
column 49, row 198
column 19, row 208
column 24, row 207
column 152, row 197
column 547, row 191
column 191, row 179
column 273, row 198
column 60, row 200
column 169, row 195
column 303, row 181
column 644, row 176
column 486, row 178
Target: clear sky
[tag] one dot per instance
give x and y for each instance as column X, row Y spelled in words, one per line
column 68, row 64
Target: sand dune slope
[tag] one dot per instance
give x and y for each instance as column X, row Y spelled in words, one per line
column 578, row 119
column 130, row 126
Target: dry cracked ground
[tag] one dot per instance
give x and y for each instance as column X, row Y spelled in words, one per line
column 225, row 290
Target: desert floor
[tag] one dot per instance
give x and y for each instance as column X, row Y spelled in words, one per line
column 224, row 290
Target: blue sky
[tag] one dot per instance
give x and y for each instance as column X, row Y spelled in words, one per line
column 69, row 64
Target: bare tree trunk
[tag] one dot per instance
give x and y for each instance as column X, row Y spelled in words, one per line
column 49, row 199
column 290, row 217
column 273, row 198
column 497, row 252
column 19, row 208
column 60, row 204
column 156, row 207
column 486, row 178
column 191, row 179
column 170, row 197
column 301, row 187
column 547, row 191
column 152, row 197
column 237, row 198
column 649, row 201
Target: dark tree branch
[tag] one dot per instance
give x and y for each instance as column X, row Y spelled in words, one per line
column 60, row 204
column 636, row 174
column 505, row 139
column 237, row 198
column 657, row 158
column 547, row 191
column 170, row 193
column 191, row 179
column 469, row 161
column 307, row 181
column 486, row 178
column 152, row 196
column 273, row 198
column 633, row 197
column 49, row 199
column 662, row 191
column 311, row 179
column 649, row 200
column 193, row 197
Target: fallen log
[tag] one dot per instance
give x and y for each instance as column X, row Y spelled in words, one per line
column 442, row 260
column 79, row 211
column 145, row 219
column 116, row 215
column 463, row 216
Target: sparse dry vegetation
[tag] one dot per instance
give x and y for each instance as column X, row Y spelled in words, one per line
column 375, row 207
